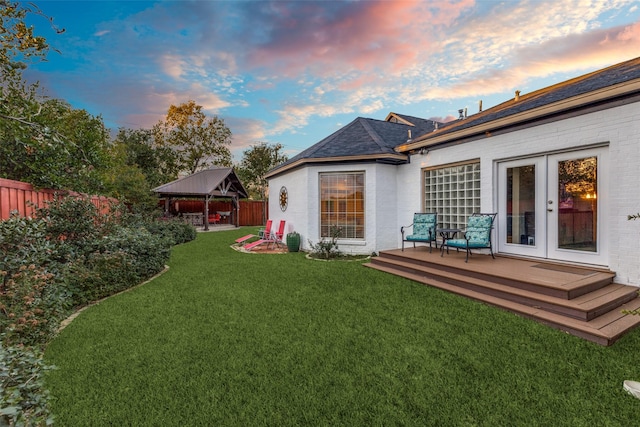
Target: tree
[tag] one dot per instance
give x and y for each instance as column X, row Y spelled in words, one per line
column 139, row 166
column 64, row 148
column 18, row 45
column 45, row 142
column 256, row 162
column 157, row 163
column 197, row 141
column 18, row 42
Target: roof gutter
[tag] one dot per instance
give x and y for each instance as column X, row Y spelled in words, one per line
column 535, row 113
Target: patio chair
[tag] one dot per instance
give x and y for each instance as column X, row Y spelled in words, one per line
column 424, row 229
column 276, row 237
column 264, row 232
column 477, row 235
column 214, row 219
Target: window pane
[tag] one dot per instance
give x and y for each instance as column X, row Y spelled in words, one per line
column 342, row 204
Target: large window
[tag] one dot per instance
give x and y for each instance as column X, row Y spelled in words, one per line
column 453, row 192
column 342, row 204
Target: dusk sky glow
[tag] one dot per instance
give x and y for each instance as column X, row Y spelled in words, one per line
column 293, row 72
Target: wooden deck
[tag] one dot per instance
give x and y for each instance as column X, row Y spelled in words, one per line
column 581, row 301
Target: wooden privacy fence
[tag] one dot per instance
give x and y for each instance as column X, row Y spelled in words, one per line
column 23, row 198
column 250, row 212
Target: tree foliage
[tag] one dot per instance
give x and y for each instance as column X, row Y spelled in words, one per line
column 138, row 166
column 196, row 140
column 62, row 147
column 44, row 142
column 256, row 162
column 19, row 43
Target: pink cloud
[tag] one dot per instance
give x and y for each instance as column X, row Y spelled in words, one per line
column 578, row 52
column 329, row 38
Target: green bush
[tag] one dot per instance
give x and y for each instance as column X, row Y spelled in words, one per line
column 146, row 252
column 177, row 231
column 97, row 276
column 75, row 224
column 30, row 306
column 68, row 255
column 23, row 397
column 327, row 249
column 23, row 242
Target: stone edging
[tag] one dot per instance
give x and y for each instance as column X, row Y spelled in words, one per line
column 364, row 258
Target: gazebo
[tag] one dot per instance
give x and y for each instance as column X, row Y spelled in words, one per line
column 216, row 182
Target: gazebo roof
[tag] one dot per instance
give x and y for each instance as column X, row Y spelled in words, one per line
column 216, row 182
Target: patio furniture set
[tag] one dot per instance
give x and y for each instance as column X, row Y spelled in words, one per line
column 476, row 234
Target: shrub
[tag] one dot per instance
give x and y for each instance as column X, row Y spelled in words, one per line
column 23, row 242
column 327, row 248
column 175, row 230
column 30, row 306
column 146, row 252
column 68, row 255
column 98, row 276
column 121, row 260
column 23, row 397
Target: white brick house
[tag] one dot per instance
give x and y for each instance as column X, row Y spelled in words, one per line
column 560, row 166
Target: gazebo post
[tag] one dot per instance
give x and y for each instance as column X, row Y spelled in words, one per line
column 206, row 213
column 235, row 201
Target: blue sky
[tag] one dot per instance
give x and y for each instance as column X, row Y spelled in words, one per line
column 293, row 72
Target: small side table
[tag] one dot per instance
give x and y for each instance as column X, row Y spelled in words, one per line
column 447, row 234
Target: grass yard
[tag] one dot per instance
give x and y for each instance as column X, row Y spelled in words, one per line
column 233, row 339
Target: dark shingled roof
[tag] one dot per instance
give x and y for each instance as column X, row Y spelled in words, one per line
column 610, row 76
column 217, row 181
column 363, row 137
column 419, row 123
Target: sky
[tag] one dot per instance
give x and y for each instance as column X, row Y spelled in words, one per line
column 294, row 72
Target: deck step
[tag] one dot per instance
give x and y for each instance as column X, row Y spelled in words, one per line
column 529, row 277
column 583, row 302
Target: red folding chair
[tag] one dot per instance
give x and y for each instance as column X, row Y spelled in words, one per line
column 276, row 238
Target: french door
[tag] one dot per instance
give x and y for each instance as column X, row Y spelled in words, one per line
column 551, row 206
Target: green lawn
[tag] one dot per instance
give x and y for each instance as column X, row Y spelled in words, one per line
column 232, row 339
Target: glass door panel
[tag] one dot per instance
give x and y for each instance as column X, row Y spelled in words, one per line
column 577, row 185
column 521, row 205
column 578, row 207
column 521, row 202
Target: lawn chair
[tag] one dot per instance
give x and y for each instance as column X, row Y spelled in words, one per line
column 214, row 219
column 263, row 237
column 264, row 232
column 477, row 235
column 424, row 229
column 276, row 237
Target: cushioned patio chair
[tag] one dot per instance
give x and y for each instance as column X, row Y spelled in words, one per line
column 424, row 229
column 477, row 235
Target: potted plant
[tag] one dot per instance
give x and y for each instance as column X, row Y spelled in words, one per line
column 293, row 241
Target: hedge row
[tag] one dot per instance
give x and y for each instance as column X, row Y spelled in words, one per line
column 65, row 257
